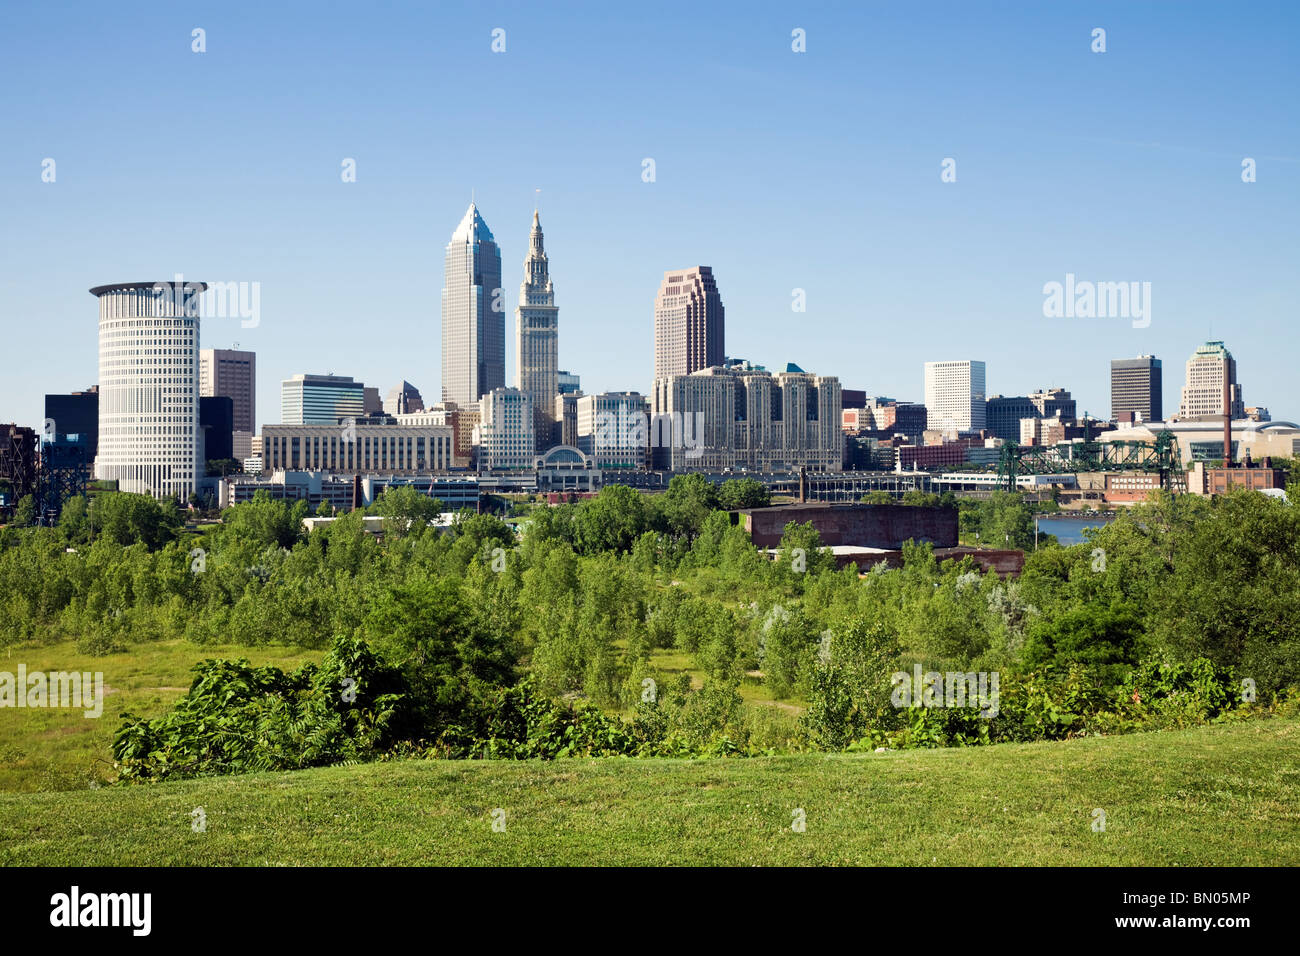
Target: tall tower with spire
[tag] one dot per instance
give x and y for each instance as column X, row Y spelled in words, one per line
column 473, row 314
column 537, row 328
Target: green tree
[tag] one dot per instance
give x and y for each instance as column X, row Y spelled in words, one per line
column 263, row 522
column 743, row 493
column 405, row 510
column 612, row 521
column 1107, row 640
column 126, row 519
column 681, row 510
column 25, row 512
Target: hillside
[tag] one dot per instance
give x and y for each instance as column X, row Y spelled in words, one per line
column 1218, row 795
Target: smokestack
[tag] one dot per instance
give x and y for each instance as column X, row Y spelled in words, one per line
column 1227, row 415
column 803, row 483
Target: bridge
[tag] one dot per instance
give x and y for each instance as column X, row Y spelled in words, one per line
column 1160, row 456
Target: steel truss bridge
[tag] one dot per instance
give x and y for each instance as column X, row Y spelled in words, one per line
column 1160, row 456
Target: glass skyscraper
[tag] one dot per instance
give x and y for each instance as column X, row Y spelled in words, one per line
column 320, row 399
column 473, row 314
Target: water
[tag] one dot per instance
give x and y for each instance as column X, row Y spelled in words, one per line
column 1070, row 530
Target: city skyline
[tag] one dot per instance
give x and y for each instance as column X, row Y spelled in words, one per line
column 1067, row 176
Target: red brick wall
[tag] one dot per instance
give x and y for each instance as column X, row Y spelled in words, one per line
column 866, row 526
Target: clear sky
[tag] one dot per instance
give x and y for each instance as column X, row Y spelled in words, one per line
column 817, row 171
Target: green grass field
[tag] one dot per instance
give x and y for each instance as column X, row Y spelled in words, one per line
column 1220, row 795
column 59, row 749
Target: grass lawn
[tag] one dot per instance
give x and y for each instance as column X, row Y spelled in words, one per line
column 1220, row 795
column 60, row 749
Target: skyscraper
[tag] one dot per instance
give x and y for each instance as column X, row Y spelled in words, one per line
column 473, row 314
column 954, row 395
column 149, row 386
column 233, row 374
column 1203, row 393
column 689, row 323
column 1136, row 386
column 505, row 430
column 537, row 326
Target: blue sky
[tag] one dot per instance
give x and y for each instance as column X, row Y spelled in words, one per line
column 817, row 171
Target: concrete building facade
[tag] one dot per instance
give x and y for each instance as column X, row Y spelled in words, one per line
column 149, row 387
column 954, row 395
column 537, row 333
column 689, row 323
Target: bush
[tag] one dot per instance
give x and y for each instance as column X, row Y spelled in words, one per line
column 241, row 719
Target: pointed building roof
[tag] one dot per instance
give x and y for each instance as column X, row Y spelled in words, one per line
column 472, row 228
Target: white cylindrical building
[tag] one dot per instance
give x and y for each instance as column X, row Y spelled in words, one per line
column 149, row 386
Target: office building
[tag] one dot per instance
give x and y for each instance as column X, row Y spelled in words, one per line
column 216, row 428
column 954, row 396
column 505, row 436
column 1136, row 386
column 232, row 373
column 320, row 399
column 612, row 428
column 74, row 416
column 473, row 314
column 1054, row 403
column 751, row 420
column 389, row 449
column 149, row 386
column 537, row 324
column 568, row 383
column 1203, row 394
column 565, row 430
column 689, row 323
column 403, row 400
column 1003, row 414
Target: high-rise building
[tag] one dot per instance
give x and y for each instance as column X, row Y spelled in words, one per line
column 231, row 373
column 371, row 403
column 1003, row 414
column 568, row 383
column 149, row 386
column 613, row 429
column 1054, row 403
column 473, row 314
column 403, row 400
column 75, row 417
column 689, row 323
column 320, row 399
column 505, row 433
column 1203, row 393
column 1136, row 386
column 537, row 325
column 954, row 396
column 565, row 430
column 216, row 428
column 750, row 419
